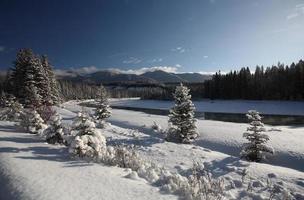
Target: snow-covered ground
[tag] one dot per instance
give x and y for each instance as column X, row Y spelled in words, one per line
column 219, row 136
column 32, row 169
column 219, row 145
column 221, row 106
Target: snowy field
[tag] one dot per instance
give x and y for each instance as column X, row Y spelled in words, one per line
column 32, row 169
column 221, row 106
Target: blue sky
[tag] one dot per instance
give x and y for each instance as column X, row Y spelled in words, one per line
column 182, row 35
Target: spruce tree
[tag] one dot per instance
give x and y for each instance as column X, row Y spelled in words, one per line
column 43, row 83
column 255, row 149
column 36, row 124
column 12, row 110
column 103, row 108
column 33, row 80
column 54, row 133
column 52, row 82
column 25, row 77
column 32, row 98
column 3, row 99
column 181, row 117
column 88, row 141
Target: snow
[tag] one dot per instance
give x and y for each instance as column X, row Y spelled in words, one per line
column 36, row 170
column 221, row 106
column 32, row 169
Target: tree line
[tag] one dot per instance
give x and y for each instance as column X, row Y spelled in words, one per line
column 279, row 82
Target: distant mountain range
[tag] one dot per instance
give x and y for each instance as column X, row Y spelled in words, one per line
column 109, row 76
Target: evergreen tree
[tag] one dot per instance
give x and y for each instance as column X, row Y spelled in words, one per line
column 181, row 117
column 54, row 133
column 3, row 99
column 32, row 97
column 103, row 108
column 53, row 87
column 33, row 80
column 12, row 110
column 36, row 124
column 24, row 78
column 88, row 141
column 43, row 83
column 254, row 150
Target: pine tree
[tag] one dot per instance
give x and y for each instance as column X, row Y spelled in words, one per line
column 43, row 83
column 88, row 141
column 183, row 129
column 103, row 108
column 54, row 133
column 33, row 80
column 32, row 98
column 36, row 124
column 3, row 99
column 52, row 82
column 24, row 78
column 254, row 150
column 12, row 110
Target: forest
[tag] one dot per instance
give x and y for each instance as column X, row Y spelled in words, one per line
column 280, row 82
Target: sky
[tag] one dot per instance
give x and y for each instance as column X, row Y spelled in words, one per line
column 136, row 35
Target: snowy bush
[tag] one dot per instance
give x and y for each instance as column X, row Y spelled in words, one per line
column 203, row 185
column 156, row 127
column 34, row 123
column 87, row 140
column 46, row 112
column 255, row 149
column 12, row 110
column 122, row 156
column 54, row 133
column 103, row 110
column 181, row 117
column 199, row 185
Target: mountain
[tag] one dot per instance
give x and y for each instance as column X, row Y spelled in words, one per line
column 195, row 77
column 106, row 76
column 163, row 77
column 112, row 76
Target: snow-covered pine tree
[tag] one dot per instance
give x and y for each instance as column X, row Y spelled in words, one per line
column 24, row 78
column 54, row 133
column 33, row 81
column 255, row 149
column 52, row 82
column 88, row 141
column 181, row 117
column 43, row 83
column 36, row 124
column 32, row 98
column 12, row 111
column 103, row 110
column 3, row 99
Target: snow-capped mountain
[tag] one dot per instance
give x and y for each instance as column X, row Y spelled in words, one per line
column 114, row 76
